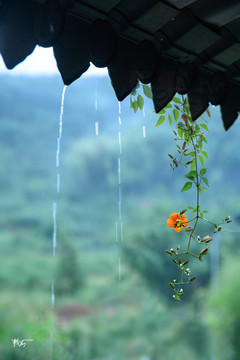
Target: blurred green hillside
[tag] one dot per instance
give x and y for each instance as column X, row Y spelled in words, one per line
column 97, row 316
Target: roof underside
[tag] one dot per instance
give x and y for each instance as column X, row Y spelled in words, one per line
column 186, row 46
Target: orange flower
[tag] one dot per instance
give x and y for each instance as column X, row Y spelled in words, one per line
column 177, row 222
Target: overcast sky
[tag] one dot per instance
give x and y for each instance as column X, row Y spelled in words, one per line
column 40, row 62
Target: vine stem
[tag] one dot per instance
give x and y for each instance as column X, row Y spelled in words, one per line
column 197, row 216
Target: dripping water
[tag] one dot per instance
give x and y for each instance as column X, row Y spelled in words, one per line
column 96, row 128
column 54, row 227
column 119, row 224
column 120, row 141
column 96, row 109
column 52, row 295
column 144, row 131
column 55, row 206
column 58, row 183
column 144, row 127
column 119, row 113
column 60, row 127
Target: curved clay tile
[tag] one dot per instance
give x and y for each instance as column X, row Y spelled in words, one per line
column 102, row 43
column 164, row 85
column 122, row 72
column 198, row 96
column 72, row 57
column 146, row 61
column 48, row 22
column 184, row 77
column 17, row 39
column 230, row 106
column 217, row 87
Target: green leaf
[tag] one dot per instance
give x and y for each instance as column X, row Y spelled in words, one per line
column 197, row 129
column 177, row 100
column 162, row 112
column 133, row 93
column 191, row 153
column 135, row 106
column 170, row 119
column 203, row 171
column 161, row 120
column 168, row 106
column 201, row 158
column 191, row 175
column 140, row 101
column 193, row 165
column 175, row 114
column 204, row 126
column 147, row 91
column 205, row 154
column 205, row 180
column 180, row 133
column 187, row 186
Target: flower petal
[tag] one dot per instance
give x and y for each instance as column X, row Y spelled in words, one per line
column 174, row 216
column 177, row 229
column 184, row 222
column 170, row 222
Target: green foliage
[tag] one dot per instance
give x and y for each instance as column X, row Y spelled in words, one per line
column 189, row 135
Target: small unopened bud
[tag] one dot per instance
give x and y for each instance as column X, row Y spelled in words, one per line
column 185, row 119
column 207, row 239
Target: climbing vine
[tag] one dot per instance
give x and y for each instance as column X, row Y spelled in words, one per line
column 190, row 140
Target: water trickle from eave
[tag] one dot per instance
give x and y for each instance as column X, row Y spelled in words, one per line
column 144, row 127
column 96, row 109
column 119, row 223
column 54, row 209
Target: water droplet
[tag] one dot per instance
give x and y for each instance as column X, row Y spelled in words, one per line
column 119, row 171
column 60, row 127
column 144, row 131
column 96, row 128
column 52, row 295
column 54, row 227
column 120, row 141
column 58, row 183
column 121, row 228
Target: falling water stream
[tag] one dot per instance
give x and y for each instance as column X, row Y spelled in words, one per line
column 96, row 109
column 55, row 205
column 144, row 127
column 119, row 224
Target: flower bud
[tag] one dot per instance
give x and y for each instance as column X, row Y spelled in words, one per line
column 185, row 119
column 207, row 239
